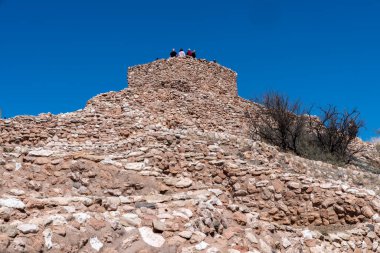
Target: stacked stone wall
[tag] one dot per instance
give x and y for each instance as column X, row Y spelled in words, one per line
column 185, row 74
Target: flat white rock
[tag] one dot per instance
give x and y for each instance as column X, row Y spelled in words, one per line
column 265, row 248
column 27, row 228
column 108, row 160
column 134, row 166
column 285, row 242
column 18, row 166
column 201, row 246
column 16, row 192
column 81, row 217
column 41, row 153
column 183, row 183
column 57, row 220
column 12, row 203
column 150, row 238
column 307, row 234
column 132, row 219
column 48, row 236
column 95, row 243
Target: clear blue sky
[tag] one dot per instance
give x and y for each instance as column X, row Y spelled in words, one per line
column 55, row 55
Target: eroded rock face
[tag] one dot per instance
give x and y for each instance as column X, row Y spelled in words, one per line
column 167, row 166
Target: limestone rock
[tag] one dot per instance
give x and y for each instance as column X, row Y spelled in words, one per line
column 40, row 153
column 151, row 238
column 184, row 183
column 12, row 203
column 201, row 246
column 96, row 244
column 48, row 234
column 27, row 228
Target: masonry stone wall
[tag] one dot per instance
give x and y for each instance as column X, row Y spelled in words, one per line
column 186, row 74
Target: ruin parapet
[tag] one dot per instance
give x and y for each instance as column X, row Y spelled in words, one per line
column 186, row 74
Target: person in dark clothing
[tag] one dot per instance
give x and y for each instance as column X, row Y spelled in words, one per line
column 193, row 54
column 173, row 53
column 189, row 52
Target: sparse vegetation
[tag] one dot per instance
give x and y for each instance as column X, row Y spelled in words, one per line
column 287, row 125
column 377, row 141
column 279, row 122
column 335, row 132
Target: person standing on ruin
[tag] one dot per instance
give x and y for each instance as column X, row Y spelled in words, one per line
column 193, row 54
column 181, row 53
column 173, row 53
column 189, row 52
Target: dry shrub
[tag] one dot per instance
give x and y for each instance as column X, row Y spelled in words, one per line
column 286, row 124
column 278, row 121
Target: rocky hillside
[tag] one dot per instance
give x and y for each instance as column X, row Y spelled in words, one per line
column 166, row 165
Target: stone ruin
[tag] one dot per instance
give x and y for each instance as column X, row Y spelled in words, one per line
column 167, row 165
column 184, row 74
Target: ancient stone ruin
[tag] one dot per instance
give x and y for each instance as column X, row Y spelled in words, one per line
column 167, row 165
column 186, row 75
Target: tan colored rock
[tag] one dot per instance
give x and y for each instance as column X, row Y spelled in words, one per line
column 4, row 242
column 159, row 226
column 278, row 186
column 41, row 160
column 240, row 218
column 367, row 211
column 311, row 243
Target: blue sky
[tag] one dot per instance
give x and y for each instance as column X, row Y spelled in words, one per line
column 55, row 55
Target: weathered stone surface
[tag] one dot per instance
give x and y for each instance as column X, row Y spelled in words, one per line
column 159, row 226
column 135, row 166
column 201, row 246
column 96, row 244
column 367, row 211
column 286, row 243
column 150, row 238
column 12, row 203
column 28, row 228
column 131, row 219
column 48, row 235
column 184, row 183
column 41, row 153
column 81, row 217
column 240, row 218
column 252, row 238
column 4, row 242
column 186, row 234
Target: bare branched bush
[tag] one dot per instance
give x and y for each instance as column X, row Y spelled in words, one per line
column 336, row 131
column 287, row 124
column 279, row 121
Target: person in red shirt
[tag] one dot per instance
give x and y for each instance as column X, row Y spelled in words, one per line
column 189, row 52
